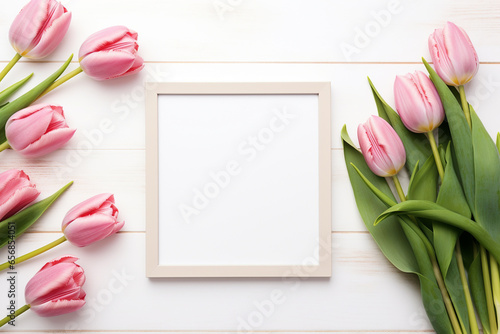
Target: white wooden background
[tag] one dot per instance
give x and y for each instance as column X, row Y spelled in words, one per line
column 258, row 40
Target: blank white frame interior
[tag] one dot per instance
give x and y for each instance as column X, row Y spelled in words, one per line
column 238, row 179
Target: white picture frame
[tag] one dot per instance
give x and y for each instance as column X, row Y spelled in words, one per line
column 238, row 179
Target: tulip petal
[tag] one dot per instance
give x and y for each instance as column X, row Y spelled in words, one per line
column 58, row 307
column 17, row 201
column 136, row 67
column 51, row 37
column 49, row 142
column 382, row 149
column 103, row 39
column 16, row 192
column 107, row 64
column 48, row 281
column 62, row 259
column 57, row 121
column 418, row 102
column 461, row 52
column 28, row 125
column 440, row 58
column 89, row 229
column 87, row 207
column 27, row 24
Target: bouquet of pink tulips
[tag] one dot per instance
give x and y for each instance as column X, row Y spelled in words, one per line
column 445, row 227
column 37, row 130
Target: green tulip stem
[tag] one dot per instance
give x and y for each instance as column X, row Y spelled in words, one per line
column 468, row 299
column 435, row 266
column 5, row 145
column 399, row 189
column 34, row 253
column 465, row 104
column 10, row 65
column 487, row 289
column 62, row 80
column 495, row 283
column 435, row 152
column 16, row 314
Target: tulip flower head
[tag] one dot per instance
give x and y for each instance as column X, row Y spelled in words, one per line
column 381, row 146
column 417, row 102
column 39, row 28
column 16, row 192
column 38, row 130
column 453, row 55
column 110, row 53
column 57, row 288
column 92, row 220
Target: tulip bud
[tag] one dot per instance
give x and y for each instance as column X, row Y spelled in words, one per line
column 381, row 146
column 453, row 55
column 38, row 130
column 57, row 288
column 39, row 28
column 92, row 220
column 16, row 192
column 110, row 53
column 418, row 102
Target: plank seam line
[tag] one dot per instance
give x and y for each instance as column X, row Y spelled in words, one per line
column 260, row 62
column 142, row 232
column 225, row 331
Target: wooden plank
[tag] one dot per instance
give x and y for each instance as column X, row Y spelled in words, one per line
column 117, row 172
column 110, row 115
column 122, row 172
column 241, row 30
column 365, row 293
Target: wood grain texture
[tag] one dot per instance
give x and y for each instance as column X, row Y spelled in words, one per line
column 298, row 31
column 364, row 293
column 192, row 40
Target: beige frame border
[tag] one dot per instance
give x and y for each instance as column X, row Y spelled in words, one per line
column 322, row 89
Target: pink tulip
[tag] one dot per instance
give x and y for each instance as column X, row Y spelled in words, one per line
column 39, row 28
column 38, row 130
column 418, row 102
column 110, row 53
column 453, row 55
column 57, row 288
column 382, row 149
column 92, row 220
column 16, row 192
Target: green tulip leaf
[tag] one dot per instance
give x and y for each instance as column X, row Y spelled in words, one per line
column 424, row 182
column 429, row 289
column 434, row 211
column 476, row 283
column 416, row 144
column 487, row 178
column 28, row 98
column 412, row 177
column 498, row 141
column 8, row 92
column 444, row 136
column 452, row 198
column 460, row 134
column 399, row 242
column 456, row 292
column 389, row 237
column 21, row 221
